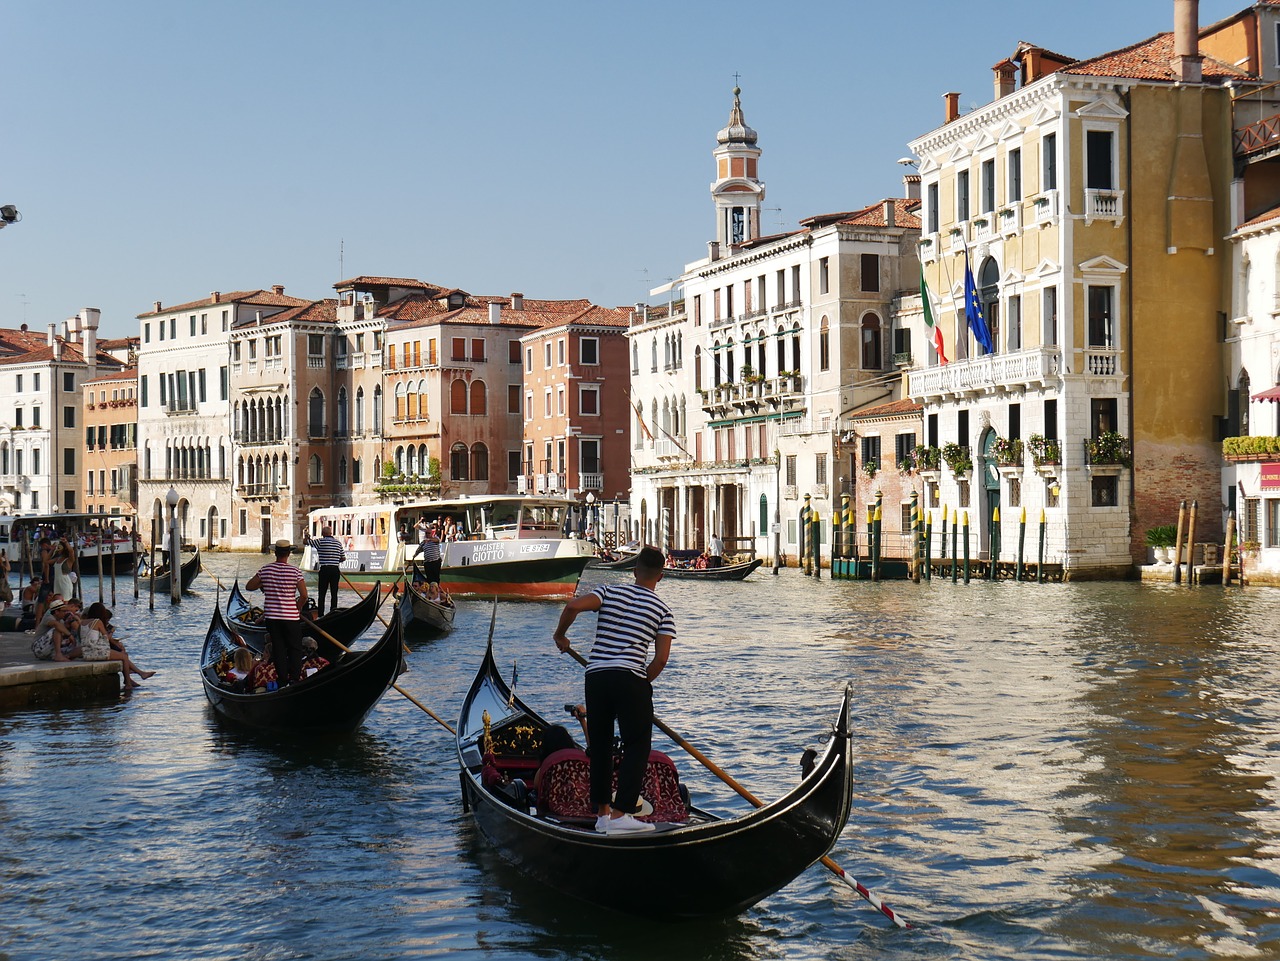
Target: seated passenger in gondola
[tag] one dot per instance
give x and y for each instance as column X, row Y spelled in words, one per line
column 263, row 676
column 242, row 664
column 311, row 659
column 702, row 561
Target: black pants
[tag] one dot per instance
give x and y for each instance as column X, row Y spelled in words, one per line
column 619, row 695
column 286, row 649
column 328, row 582
column 431, row 571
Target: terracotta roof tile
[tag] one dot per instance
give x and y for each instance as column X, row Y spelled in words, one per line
column 1150, row 59
column 367, row 281
column 310, row 311
column 267, row 298
column 1267, row 215
column 891, row 409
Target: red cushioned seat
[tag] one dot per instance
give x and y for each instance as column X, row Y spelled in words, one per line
column 564, row 787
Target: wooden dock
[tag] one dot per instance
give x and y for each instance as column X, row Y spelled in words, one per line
column 26, row 682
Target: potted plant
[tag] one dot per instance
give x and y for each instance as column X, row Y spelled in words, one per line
column 1008, row 453
column 1108, row 448
column 957, row 458
column 870, row 468
column 1160, row 539
column 907, row 465
column 927, row 458
column 1044, row 451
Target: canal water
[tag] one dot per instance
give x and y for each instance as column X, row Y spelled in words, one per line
column 1042, row 771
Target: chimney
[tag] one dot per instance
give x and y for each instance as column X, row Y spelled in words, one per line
column 157, row 306
column 713, row 250
column 1186, row 40
column 952, row 110
column 215, row 297
column 278, row 289
column 911, row 184
column 1005, row 78
column 52, row 336
column 495, row 312
column 517, row 301
column 890, row 214
column 90, row 316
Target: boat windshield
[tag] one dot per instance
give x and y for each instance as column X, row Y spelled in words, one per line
column 505, row 520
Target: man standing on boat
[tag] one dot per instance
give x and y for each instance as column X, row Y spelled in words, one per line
column 330, row 554
column 429, row 550
column 285, row 590
column 716, row 551
column 619, row 685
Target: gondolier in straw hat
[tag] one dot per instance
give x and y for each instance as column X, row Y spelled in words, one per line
column 619, row 685
column 285, row 590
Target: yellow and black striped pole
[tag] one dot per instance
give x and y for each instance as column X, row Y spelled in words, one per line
column 804, row 537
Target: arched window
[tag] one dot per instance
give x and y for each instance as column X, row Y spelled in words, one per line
column 400, row 460
column 760, row 354
column 342, row 471
column 410, row 400
column 377, row 407
column 315, row 413
column 1243, row 387
column 824, row 345
column 872, row 355
column 424, row 460
column 356, row 474
column 458, row 397
column 359, row 411
column 782, row 349
column 479, row 400
column 730, row 370
column 716, row 380
column 654, row 351
column 342, row 412
column 479, row 462
column 315, row 470
column 398, row 410
column 989, row 295
column 653, row 423
column 422, row 400
column 684, row 418
column 635, row 358
column 795, row 346
column 459, row 461
column 377, row 467
column 697, row 368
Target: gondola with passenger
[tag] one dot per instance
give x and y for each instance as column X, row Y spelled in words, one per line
column 725, row 572
column 345, row 624
column 693, row 864
column 334, row 699
column 187, row 572
column 419, row 611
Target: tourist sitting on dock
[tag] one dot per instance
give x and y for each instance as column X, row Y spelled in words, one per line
column 99, row 612
column 55, row 639
column 95, row 645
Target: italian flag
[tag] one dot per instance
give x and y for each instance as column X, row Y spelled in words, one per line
column 929, row 321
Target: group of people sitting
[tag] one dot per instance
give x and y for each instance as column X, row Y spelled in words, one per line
column 702, row 562
column 66, row 632
column 245, row 672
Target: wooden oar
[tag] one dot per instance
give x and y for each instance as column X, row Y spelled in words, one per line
column 358, row 594
column 728, row 779
column 413, row 700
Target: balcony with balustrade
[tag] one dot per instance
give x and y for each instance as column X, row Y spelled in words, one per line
column 994, row 373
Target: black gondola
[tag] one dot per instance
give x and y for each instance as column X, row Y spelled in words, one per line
column 627, row 562
column 727, row 572
column 343, row 625
column 187, row 574
column 703, row 866
column 419, row 612
column 334, row 699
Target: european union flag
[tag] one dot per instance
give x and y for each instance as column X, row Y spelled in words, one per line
column 973, row 309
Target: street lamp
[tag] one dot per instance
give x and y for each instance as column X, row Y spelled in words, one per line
column 175, row 559
column 591, row 515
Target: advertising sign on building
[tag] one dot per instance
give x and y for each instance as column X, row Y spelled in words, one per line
column 1270, row 477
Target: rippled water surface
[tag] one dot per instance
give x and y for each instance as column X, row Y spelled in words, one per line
column 1042, row 771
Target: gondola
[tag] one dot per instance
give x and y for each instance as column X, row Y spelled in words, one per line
column 335, row 699
column 728, row 572
column 627, row 562
column 187, row 574
column 343, row 625
column 701, row 866
column 420, row 612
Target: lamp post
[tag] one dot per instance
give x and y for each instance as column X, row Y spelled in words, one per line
column 591, row 516
column 175, row 559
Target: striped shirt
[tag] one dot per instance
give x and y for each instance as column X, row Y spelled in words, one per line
column 630, row 619
column 280, row 582
column 430, row 548
column 329, row 551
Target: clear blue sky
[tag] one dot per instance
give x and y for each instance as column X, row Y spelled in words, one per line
column 160, row 150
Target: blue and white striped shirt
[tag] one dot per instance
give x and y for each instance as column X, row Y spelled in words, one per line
column 630, row 619
column 329, row 551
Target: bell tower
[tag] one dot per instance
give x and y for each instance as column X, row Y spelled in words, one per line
column 737, row 191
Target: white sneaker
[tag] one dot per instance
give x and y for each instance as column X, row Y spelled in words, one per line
column 601, row 823
column 626, row 824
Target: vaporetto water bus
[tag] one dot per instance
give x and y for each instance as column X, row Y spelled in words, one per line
column 508, row 546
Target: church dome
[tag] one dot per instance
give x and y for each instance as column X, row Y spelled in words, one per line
column 737, row 130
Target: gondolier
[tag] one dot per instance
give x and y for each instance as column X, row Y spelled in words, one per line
column 286, row 592
column 715, row 551
column 330, row 554
column 619, row 685
column 429, row 550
